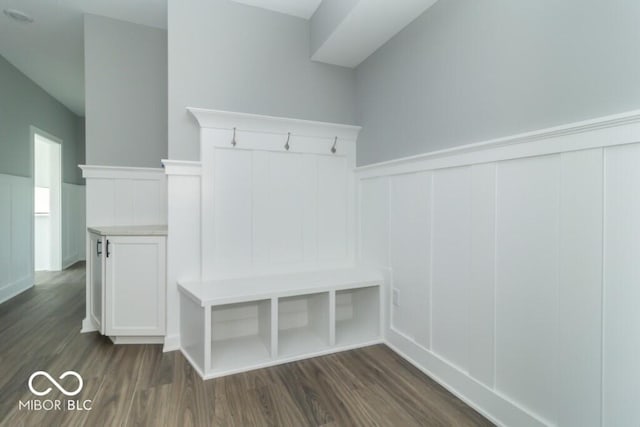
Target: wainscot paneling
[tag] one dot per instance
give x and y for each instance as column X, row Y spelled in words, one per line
column 125, row 196
column 451, row 265
column 374, row 221
column 16, row 233
column 410, row 236
column 515, row 265
column 580, row 293
column 621, row 376
column 527, row 282
column 481, row 303
column 16, row 236
column 73, row 224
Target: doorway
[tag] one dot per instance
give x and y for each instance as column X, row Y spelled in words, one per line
column 47, row 209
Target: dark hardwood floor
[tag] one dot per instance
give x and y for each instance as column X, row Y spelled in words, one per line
column 139, row 385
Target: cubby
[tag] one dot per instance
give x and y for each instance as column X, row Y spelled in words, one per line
column 357, row 315
column 240, row 334
column 234, row 325
column 303, row 324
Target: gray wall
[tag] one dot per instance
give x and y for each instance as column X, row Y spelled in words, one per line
column 126, row 93
column 23, row 104
column 228, row 56
column 468, row 70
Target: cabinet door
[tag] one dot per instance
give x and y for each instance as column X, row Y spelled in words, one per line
column 95, row 271
column 135, row 285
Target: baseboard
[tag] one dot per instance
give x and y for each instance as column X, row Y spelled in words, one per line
column 68, row 262
column 496, row 408
column 136, row 339
column 171, row 343
column 88, row 325
column 13, row 289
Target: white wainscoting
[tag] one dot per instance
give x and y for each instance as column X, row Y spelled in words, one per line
column 16, row 233
column 73, row 224
column 122, row 196
column 125, row 196
column 16, row 236
column 515, row 264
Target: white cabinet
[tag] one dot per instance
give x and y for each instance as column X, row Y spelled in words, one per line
column 127, row 270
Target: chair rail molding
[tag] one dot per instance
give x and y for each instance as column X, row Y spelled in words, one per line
column 616, row 129
column 120, row 172
column 182, row 167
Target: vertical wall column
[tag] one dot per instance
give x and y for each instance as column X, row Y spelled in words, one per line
column 183, row 240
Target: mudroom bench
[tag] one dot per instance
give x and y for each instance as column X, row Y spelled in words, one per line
column 235, row 325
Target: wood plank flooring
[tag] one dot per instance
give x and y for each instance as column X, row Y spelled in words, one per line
column 138, row 385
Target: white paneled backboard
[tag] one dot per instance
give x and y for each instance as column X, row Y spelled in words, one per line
column 280, row 199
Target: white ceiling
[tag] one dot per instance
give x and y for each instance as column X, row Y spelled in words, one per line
column 50, row 50
column 300, row 8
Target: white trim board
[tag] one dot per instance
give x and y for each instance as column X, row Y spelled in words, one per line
column 217, row 119
column 471, row 392
column 120, row 172
column 16, row 288
column 182, row 167
column 617, row 129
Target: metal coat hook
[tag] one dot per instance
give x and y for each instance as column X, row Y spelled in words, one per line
column 286, row 146
column 233, row 140
column 333, row 148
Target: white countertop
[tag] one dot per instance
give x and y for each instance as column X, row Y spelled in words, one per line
column 130, row 230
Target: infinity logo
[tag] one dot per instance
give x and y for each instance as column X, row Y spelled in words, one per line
column 55, row 383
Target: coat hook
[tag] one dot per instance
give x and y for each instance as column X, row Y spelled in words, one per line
column 333, row 148
column 233, row 140
column 286, row 146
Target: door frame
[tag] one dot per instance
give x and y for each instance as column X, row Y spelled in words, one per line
column 56, row 235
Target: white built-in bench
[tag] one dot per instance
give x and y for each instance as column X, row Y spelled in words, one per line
column 234, row 325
